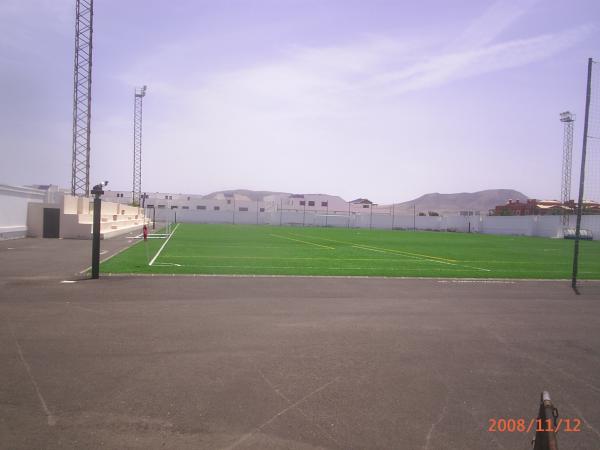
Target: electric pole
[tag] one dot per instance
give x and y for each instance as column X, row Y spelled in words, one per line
column 82, row 98
column 565, row 189
column 137, row 144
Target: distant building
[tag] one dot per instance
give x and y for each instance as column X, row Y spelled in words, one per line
column 364, row 202
column 533, row 207
column 223, row 202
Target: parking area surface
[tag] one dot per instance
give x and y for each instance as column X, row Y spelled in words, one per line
column 278, row 362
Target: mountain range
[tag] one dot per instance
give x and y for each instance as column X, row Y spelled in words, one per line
column 442, row 203
column 465, row 201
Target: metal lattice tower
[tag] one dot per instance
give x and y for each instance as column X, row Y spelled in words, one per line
column 82, row 98
column 137, row 144
column 567, row 162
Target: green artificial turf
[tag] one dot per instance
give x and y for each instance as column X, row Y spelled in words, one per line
column 247, row 249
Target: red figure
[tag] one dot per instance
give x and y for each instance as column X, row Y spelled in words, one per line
column 145, row 231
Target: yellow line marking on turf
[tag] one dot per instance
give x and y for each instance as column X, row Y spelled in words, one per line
column 398, row 252
column 402, row 252
column 452, row 262
column 254, row 267
column 309, row 258
column 304, row 242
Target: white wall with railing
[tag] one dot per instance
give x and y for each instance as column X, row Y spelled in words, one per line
column 253, row 213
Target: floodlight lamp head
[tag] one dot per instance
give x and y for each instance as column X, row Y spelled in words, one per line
column 97, row 190
column 141, row 92
column 567, row 116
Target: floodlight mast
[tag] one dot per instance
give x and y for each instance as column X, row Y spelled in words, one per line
column 82, row 98
column 137, row 144
column 567, row 162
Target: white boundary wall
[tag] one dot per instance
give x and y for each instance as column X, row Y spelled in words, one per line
column 14, row 201
column 542, row 226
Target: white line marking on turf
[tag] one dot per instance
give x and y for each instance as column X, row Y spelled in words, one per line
column 51, row 419
column 163, row 246
column 304, row 242
column 414, row 255
column 478, row 281
column 104, row 252
column 346, row 277
column 422, row 258
column 67, row 281
column 409, row 254
column 293, row 258
column 231, row 266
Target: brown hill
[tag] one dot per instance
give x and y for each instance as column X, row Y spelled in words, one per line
column 465, row 201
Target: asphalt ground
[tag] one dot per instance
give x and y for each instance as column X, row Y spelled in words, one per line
column 279, row 362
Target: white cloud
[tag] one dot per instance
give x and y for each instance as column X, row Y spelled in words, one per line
column 315, row 104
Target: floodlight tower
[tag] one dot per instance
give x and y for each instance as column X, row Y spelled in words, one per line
column 565, row 194
column 82, row 98
column 137, row 144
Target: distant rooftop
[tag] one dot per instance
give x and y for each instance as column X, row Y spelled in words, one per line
column 362, row 201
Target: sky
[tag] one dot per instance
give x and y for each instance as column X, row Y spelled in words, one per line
column 383, row 99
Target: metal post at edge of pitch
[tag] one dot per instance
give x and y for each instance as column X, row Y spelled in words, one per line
column 96, row 192
column 582, row 177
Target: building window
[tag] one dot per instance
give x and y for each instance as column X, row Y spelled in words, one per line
column 229, row 202
column 200, row 207
column 323, row 203
column 262, row 209
column 166, row 197
column 243, row 209
column 161, row 206
column 185, row 207
column 302, row 203
column 170, row 197
column 365, row 206
column 150, row 206
column 311, row 203
column 216, row 208
column 188, row 198
column 173, row 207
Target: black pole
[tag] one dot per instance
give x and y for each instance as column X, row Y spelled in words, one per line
column 582, row 176
column 304, row 214
column 348, row 214
column 153, row 218
column 96, row 239
column 414, row 217
column 97, row 192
